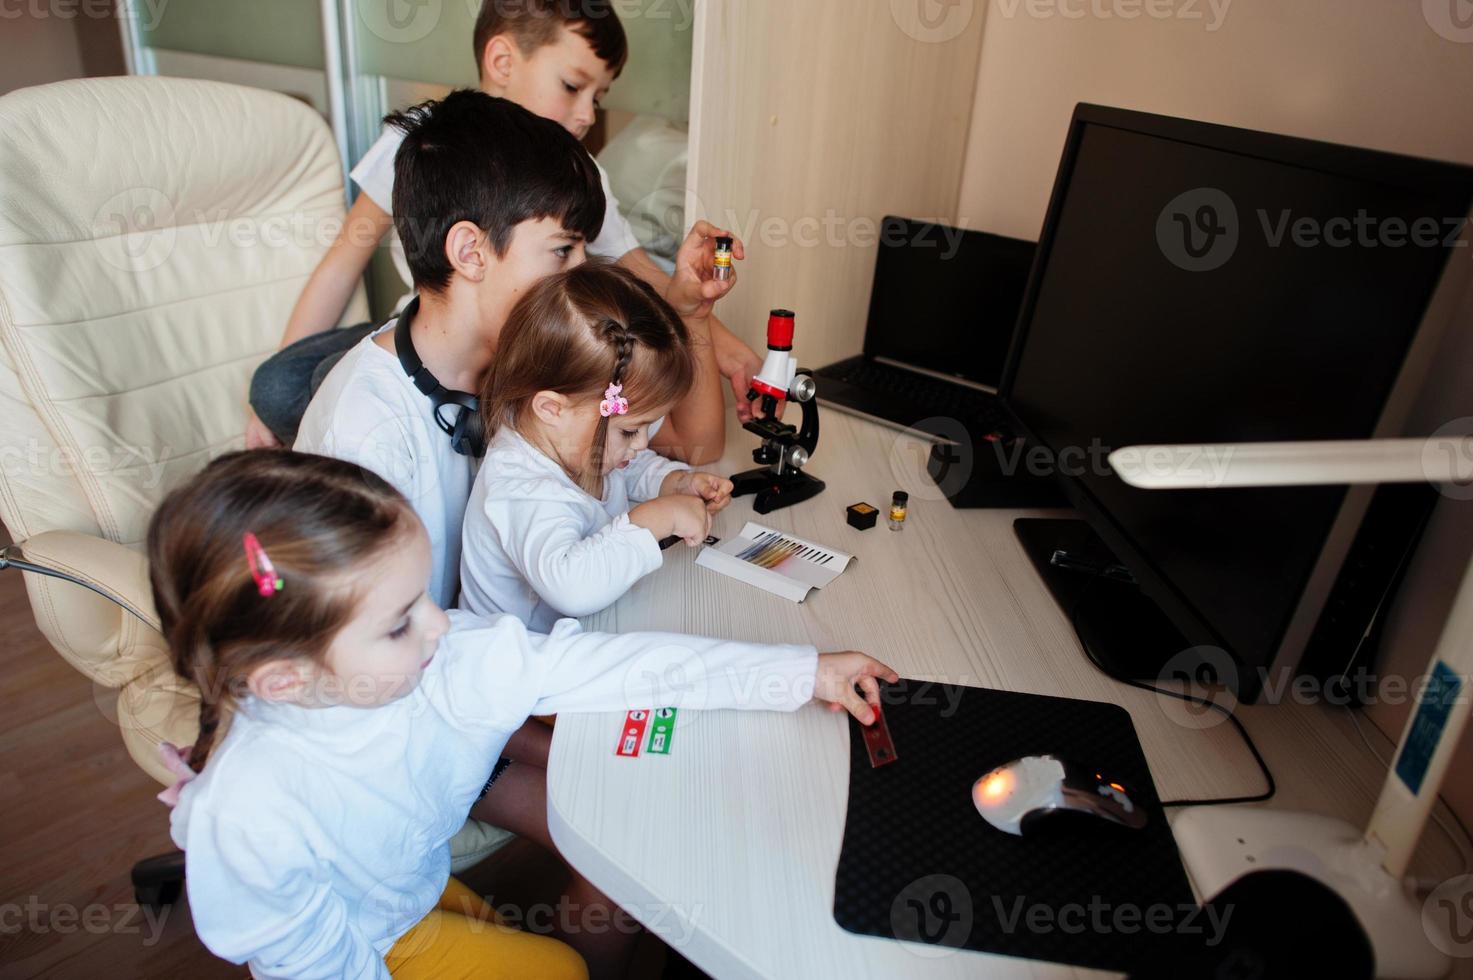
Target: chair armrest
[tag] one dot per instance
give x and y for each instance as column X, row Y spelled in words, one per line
column 112, row 640
column 115, row 640
column 116, row 573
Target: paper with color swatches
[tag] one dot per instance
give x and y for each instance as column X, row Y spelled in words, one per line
column 780, row 563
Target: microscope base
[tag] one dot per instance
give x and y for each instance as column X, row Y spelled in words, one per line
column 775, row 490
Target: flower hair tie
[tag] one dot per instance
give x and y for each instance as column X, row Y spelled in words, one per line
column 614, row 403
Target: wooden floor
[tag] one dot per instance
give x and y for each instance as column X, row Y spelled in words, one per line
column 77, row 813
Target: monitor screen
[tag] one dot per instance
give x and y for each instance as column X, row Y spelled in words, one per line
column 1200, row 284
column 946, row 299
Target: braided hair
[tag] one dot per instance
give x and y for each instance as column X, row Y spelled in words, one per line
column 617, row 336
column 575, row 334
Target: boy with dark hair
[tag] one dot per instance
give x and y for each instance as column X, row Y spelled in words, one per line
column 489, row 199
column 556, row 58
column 536, row 24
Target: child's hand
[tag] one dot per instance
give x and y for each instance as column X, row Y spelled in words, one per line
column 689, row 519
column 714, row 490
column 694, row 288
column 737, row 363
column 838, row 673
column 681, row 515
column 257, row 436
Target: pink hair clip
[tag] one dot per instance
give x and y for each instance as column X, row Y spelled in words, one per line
column 267, row 581
column 613, row 403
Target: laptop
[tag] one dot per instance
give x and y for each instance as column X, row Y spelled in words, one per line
column 941, row 317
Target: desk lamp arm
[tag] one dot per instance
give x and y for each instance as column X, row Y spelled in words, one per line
column 1433, row 731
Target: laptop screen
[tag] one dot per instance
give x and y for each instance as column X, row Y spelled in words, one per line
column 946, row 299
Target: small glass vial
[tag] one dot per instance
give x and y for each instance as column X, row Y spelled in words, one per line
column 723, row 258
column 898, row 505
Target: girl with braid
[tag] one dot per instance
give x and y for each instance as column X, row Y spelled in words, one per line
column 570, row 506
column 363, row 720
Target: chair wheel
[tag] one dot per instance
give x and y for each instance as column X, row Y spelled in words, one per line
column 157, row 880
column 157, row 896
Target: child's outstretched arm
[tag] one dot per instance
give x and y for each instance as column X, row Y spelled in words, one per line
column 570, row 670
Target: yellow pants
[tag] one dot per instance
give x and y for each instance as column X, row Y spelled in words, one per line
column 462, row 939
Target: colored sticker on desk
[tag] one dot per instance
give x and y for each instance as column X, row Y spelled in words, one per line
column 632, row 733
column 662, row 729
column 877, row 741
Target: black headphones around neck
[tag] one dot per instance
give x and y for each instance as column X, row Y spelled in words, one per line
column 466, row 432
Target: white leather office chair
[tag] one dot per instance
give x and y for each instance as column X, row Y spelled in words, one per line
column 154, row 235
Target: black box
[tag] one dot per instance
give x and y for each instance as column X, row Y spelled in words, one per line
column 862, row 515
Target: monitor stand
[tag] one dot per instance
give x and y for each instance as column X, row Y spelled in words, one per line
column 1128, row 634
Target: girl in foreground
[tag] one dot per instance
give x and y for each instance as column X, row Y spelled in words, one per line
column 570, row 506
column 292, row 589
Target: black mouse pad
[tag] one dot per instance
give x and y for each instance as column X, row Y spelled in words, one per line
column 920, row 864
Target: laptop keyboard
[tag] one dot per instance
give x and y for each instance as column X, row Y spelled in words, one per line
column 933, row 395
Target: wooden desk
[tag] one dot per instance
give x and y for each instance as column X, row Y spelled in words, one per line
column 727, row 847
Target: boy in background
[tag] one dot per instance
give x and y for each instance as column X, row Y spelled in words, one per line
column 556, row 58
column 489, row 200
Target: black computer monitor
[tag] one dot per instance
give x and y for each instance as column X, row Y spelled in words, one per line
column 946, row 299
column 1197, row 284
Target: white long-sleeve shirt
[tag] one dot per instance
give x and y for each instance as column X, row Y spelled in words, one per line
column 540, row 547
column 369, row 412
column 316, row 837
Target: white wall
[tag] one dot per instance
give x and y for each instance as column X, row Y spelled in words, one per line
column 811, row 121
column 1367, row 72
column 1373, row 73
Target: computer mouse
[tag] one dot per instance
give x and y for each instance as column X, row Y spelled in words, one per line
column 1021, row 795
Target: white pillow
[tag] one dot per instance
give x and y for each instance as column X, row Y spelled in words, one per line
column 646, row 164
